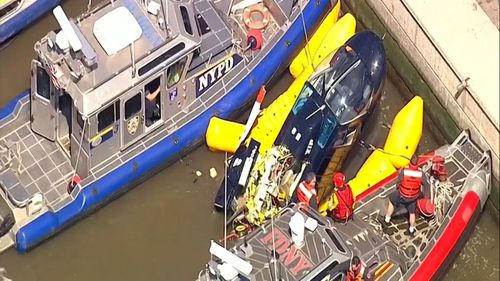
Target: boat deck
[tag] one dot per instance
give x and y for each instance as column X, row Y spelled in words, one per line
column 389, row 251
column 463, row 161
column 30, row 164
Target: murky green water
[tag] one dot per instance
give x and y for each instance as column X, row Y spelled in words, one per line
column 161, row 229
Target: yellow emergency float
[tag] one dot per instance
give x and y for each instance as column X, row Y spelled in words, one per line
column 303, row 59
column 400, row 145
column 406, row 146
column 224, row 135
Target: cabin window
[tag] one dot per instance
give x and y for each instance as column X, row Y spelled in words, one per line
column 152, row 106
column 106, row 117
column 341, row 136
column 42, row 83
column 203, row 27
column 307, row 91
column 133, row 106
column 185, row 20
column 326, row 132
column 335, row 240
column 319, row 83
column 117, row 110
column 79, row 119
column 348, row 96
column 330, row 272
column 161, row 59
column 174, row 72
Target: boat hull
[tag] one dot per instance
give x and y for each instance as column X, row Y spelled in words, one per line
column 388, row 251
column 24, row 17
column 450, row 238
column 451, row 242
column 130, row 173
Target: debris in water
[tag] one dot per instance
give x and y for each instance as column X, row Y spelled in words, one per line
column 198, row 173
column 3, row 275
column 213, row 172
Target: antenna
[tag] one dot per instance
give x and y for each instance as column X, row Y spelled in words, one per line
column 63, row 21
column 165, row 13
column 132, row 53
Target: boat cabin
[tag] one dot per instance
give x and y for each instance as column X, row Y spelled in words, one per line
column 112, row 76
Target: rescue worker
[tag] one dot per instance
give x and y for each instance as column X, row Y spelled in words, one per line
column 356, row 270
column 152, row 110
column 409, row 184
column 342, row 192
column 306, row 191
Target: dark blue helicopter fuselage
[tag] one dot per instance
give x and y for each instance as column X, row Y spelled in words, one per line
column 329, row 111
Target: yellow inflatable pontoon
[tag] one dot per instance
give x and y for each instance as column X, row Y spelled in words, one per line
column 403, row 139
column 303, row 59
column 223, row 135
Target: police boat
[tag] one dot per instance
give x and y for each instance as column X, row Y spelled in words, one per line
column 126, row 88
column 300, row 244
column 18, row 14
column 318, row 132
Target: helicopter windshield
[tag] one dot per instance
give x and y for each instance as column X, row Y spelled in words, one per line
column 347, row 95
column 345, row 85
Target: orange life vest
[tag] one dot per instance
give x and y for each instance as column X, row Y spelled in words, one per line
column 345, row 199
column 305, row 192
column 356, row 275
column 410, row 185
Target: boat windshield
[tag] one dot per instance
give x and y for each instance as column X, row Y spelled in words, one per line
column 42, row 83
column 348, row 95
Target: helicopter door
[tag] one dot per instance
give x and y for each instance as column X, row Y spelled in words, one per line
column 43, row 100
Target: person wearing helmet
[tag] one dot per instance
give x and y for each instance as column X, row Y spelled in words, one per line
column 409, row 184
column 306, row 191
column 342, row 195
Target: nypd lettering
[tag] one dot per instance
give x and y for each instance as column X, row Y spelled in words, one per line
column 211, row 76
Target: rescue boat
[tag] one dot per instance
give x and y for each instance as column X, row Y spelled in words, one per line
column 301, row 244
column 16, row 15
column 127, row 88
column 323, row 124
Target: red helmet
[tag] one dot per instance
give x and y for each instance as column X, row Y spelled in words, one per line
column 438, row 167
column 339, row 179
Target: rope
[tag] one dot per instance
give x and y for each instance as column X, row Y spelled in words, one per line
column 373, row 148
column 79, row 149
column 306, row 48
column 225, row 200
column 443, row 195
column 274, row 250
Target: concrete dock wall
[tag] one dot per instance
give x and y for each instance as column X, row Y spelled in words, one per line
column 427, row 72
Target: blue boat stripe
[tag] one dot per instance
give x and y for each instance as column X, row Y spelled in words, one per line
column 25, row 17
column 11, row 106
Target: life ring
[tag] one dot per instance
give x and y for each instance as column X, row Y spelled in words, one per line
column 256, row 24
column 73, row 182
